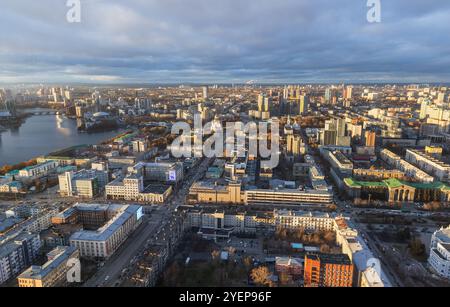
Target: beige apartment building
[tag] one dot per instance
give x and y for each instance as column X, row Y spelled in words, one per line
column 53, row 272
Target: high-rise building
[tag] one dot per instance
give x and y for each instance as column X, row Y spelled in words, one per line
column 139, row 146
column 424, row 102
column 142, row 103
column 303, row 104
column 370, row 138
column 83, row 184
column 328, row 95
column 334, row 133
column 264, row 106
column 441, row 97
column 264, row 103
column 348, row 92
column 205, row 92
column 295, row 145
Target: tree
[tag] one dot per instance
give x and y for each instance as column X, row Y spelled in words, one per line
column 281, row 233
column 231, row 250
column 299, row 233
column 284, row 278
column 329, row 237
column 433, row 206
column 172, row 275
column 215, row 254
column 261, row 276
column 247, row 262
column 417, row 247
column 324, row 248
column 332, row 207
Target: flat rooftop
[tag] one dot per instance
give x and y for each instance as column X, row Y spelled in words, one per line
column 123, row 213
column 60, row 254
column 430, row 158
column 156, row 188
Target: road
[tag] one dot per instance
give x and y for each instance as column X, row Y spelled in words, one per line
column 113, row 267
column 378, row 254
column 345, row 207
column 109, row 274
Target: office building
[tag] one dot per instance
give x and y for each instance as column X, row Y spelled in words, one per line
column 287, row 196
column 103, row 242
column 303, row 104
column 210, row 192
column 82, row 184
column 132, row 188
column 295, row 145
column 370, row 138
column 348, row 92
column 329, row 94
column 163, row 172
column 264, row 107
column 334, row 133
column 139, row 146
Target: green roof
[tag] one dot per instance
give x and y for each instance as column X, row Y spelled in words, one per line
column 358, row 184
column 395, row 183
column 434, row 185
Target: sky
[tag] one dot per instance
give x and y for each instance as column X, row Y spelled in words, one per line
column 226, row 41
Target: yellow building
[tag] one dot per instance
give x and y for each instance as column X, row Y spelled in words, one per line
column 432, row 150
column 53, row 272
column 207, row 192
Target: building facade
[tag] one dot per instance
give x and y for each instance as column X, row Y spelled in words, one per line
column 103, row 242
column 17, row 254
column 328, row 270
column 429, row 164
column 53, row 273
column 439, row 258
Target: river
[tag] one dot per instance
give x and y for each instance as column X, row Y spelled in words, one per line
column 42, row 134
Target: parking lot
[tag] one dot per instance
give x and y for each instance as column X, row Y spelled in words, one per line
column 241, row 247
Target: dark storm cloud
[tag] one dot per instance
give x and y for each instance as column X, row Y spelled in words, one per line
column 227, row 40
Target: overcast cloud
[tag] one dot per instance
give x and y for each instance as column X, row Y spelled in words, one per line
column 145, row 41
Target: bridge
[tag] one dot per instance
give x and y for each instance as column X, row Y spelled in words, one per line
column 47, row 113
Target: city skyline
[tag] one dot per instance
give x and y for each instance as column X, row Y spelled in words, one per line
column 230, row 42
column 203, row 145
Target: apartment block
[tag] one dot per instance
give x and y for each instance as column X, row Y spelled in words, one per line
column 53, row 273
column 18, row 253
column 429, row 164
column 328, row 270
